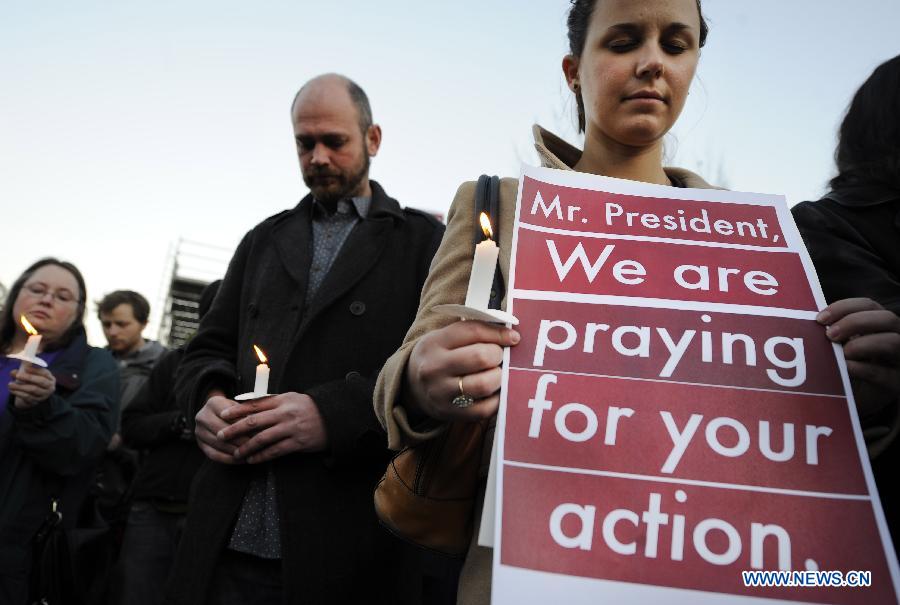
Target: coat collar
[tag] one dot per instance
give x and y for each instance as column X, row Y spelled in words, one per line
column 292, row 236
column 292, row 231
column 866, row 196
column 557, row 153
column 863, row 195
column 356, row 257
column 359, row 252
column 381, row 205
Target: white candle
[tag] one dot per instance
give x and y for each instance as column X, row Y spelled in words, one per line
column 261, row 386
column 34, row 339
column 483, row 266
column 31, row 347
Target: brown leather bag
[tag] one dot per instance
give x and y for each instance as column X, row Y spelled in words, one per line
column 427, row 495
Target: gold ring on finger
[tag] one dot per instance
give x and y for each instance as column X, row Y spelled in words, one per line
column 462, row 400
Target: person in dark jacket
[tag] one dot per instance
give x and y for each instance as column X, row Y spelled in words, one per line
column 54, row 422
column 123, row 315
column 156, row 424
column 282, row 512
column 853, row 237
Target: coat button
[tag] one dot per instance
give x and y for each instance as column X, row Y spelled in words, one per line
column 352, row 375
column 357, row 307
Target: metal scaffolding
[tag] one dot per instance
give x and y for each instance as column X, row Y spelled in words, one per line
column 191, row 267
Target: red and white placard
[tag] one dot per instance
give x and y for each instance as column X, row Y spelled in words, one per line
column 673, row 415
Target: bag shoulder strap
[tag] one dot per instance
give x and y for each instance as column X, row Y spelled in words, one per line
column 487, row 200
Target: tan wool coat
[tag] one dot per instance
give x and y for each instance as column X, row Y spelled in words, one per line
column 447, row 283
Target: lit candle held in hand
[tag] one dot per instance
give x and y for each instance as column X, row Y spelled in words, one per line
column 261, row 386
column 34, row 339
column 483, row 266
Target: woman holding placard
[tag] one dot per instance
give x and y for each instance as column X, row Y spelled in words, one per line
column 630, row 66
column 56, row 420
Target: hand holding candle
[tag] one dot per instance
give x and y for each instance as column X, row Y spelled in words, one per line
column 483, row 266
column 31, row 385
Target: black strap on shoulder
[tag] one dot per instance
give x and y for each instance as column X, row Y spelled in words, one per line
column 487, row 200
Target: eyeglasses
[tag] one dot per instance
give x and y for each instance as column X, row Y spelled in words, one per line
column 40, row 291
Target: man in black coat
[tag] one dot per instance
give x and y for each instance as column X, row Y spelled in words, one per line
column 281, row 512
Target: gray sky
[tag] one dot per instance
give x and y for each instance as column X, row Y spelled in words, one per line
column 126, row 126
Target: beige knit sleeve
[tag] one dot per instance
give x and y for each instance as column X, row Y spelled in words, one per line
column 447, row 282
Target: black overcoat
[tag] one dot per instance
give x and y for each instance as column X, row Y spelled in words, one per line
column 332, row 546
column 853, row 237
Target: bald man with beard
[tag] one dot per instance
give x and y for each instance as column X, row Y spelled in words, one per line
column 281, row 510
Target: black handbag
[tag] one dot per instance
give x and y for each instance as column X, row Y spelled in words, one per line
column 72, row 565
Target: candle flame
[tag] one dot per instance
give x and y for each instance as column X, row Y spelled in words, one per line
column 28, row 327
column 260, row 354
column 486, row 225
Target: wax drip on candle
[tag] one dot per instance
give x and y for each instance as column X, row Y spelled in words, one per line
column 261, row 385
column 34, row 339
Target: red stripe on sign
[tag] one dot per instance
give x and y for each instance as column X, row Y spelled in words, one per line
column 613, row 213
column 686, row 536
column 677, row 345
column 583, row 265
column 655, row 429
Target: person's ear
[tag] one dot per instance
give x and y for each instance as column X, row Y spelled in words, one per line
column 570, row 71
column 373, row 140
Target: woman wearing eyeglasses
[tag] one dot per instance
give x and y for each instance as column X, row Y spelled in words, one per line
column 55, row 422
